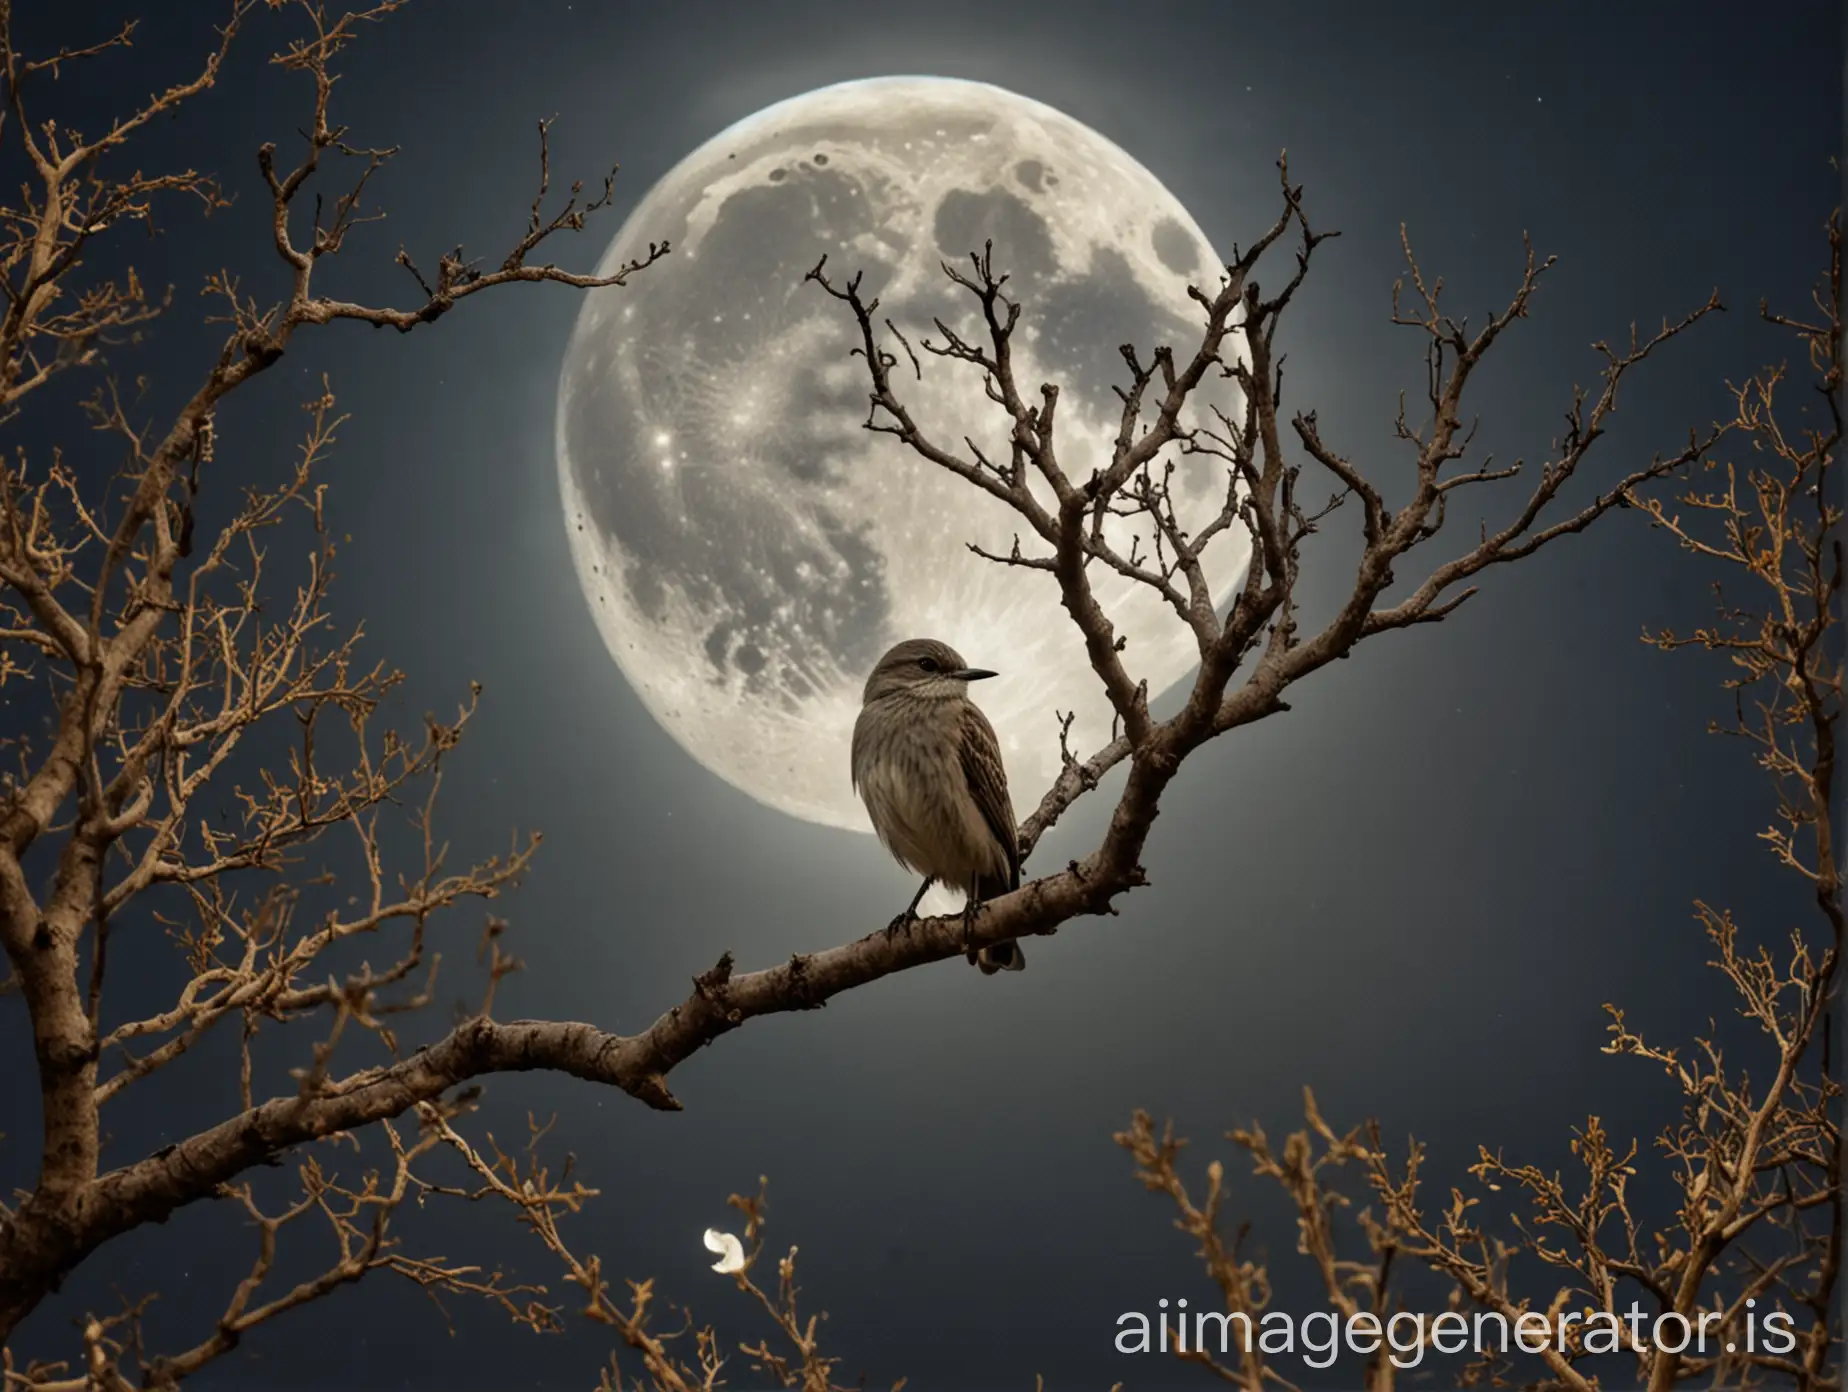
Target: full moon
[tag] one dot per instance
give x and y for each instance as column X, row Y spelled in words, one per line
column 747, row 548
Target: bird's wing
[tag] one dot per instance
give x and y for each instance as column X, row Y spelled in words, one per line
column 859, row 738
column 981, row 761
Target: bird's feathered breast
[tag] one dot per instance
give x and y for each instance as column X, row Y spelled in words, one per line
column 930, row 773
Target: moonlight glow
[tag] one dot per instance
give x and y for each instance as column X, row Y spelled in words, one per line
column 748, row 550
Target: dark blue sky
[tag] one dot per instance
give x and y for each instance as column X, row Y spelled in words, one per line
column 1413, row 892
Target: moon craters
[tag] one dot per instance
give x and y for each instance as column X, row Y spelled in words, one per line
column 748, row 547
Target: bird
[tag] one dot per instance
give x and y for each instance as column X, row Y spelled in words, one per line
column 928, row 767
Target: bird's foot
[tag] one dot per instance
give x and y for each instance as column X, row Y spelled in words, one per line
column 902, row 923
column 970, row 910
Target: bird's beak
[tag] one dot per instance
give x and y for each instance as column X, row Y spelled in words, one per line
column 972, row 674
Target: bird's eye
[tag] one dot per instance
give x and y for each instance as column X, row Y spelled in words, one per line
column 929, row 664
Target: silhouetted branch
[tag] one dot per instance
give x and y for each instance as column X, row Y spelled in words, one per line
column 156, row 654
column 171, row 649
column 1748, row 1260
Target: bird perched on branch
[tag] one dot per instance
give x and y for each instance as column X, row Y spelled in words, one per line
column 928, row 766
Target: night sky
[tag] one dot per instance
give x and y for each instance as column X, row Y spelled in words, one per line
column 1413, row 892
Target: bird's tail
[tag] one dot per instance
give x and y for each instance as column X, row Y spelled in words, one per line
column 1003, row 956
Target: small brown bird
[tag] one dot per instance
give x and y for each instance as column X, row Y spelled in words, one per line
column 928, row 766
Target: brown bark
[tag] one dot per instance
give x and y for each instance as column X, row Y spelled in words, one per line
column 172, row 660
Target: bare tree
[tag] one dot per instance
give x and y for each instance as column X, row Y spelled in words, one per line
column 688, row 1357
column 1755, row 1161
column 160, row 658
column 154, row 658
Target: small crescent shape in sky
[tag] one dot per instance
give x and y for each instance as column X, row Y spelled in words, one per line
column 731, row 1258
